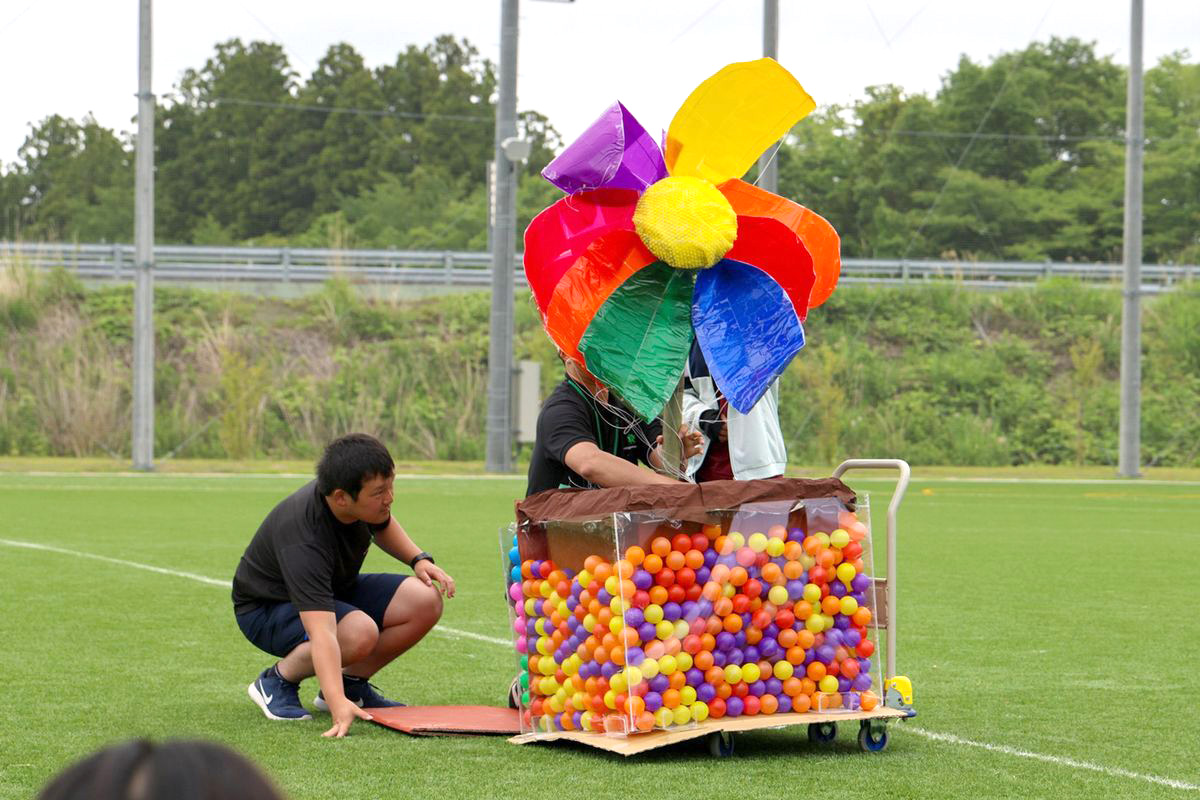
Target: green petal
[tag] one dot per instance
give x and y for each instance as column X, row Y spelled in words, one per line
column 638, row 342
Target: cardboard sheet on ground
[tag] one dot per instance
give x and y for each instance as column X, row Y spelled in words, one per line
column 448, row 720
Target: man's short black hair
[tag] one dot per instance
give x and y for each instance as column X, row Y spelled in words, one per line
column 350, row 460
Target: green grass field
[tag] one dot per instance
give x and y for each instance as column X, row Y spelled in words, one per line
column 1048, row 628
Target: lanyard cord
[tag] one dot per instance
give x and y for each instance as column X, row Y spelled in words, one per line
column 595, row 415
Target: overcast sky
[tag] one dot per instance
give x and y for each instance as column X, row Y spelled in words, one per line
column 74, row 57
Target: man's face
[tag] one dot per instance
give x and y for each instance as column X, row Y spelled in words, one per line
column 374, row 502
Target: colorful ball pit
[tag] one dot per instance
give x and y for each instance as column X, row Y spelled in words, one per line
column 682, row 628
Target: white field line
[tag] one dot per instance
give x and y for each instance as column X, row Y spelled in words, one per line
column 1117, row 772
column 440, row 629
column 453, row 633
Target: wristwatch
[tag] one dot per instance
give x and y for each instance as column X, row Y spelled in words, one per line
column 421, row 556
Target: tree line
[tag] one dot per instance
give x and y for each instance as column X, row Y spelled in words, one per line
column 1021, row 158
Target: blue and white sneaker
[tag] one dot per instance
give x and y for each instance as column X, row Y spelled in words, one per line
column 361, row 692
column 278, row 698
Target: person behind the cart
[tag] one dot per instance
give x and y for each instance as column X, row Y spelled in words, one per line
column 298, row 593
column 735, row 446
column 587, row 439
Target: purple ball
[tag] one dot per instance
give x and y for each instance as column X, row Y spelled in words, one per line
column 710, row 558
column 725, row 641
column 851, row 701
column 769, row 649
column 837, row 589
column 751, row 653
column 795, row 535
column 672, row 611
column 735, row 656
column 702, row 575
column 739, row 638
column 810, row 655
column 771, row 631
column 642, row 579
column 841, row 621
column 774, row 686
column 634, row 656
column 861, row 682
column 860, row 598
column 653, row 701
column 608, row 669
column 852, row 638
column 864, row 665
column 758, row 688
column 719, row 658
column 604, row 597
column 704, row 608
column 646, row 631
column 690, row 610
column 705, row 692
column 575, row 718
column 843, row 684
column 694, row 677
column 825, row 653
column 634, row 617
column 795, row 589
column 860, row 582
column 734, row 707
column 572, row 602
column 530, row 630
column 785, row 704
column 659, row 683
column 834, row 638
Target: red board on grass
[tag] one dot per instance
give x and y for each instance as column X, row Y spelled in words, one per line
column 448, row 720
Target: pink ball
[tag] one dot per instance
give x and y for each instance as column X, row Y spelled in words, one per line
column 522, row 645
column 514, row 592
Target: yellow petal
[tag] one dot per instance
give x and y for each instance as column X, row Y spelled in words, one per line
column 731, row 118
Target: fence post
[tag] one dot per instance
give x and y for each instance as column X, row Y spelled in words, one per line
column 287, row 264
column 116, row 261
column 903, row 271
column 448, row 267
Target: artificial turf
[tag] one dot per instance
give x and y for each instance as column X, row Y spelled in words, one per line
column 1050, row 622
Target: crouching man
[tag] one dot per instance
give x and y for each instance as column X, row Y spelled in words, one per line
column 298, row 593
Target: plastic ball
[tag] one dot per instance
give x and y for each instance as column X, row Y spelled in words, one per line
column 778, row 595
column 868, row 700
column 757, row 542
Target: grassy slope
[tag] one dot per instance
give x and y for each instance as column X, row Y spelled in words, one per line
column 1051, row 618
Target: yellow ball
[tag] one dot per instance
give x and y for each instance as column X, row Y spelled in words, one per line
column 775, row 547
column 750, row 672
column 686, row 222
column 663, row 718
column 699, row 711
column 783, row 670
column 829, row 684
column 682, row 714
column 778, row 595
column 757, row 542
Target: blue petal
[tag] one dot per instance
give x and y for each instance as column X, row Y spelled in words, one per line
column 747, row 328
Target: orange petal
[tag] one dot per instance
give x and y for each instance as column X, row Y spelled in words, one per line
column 818, row 235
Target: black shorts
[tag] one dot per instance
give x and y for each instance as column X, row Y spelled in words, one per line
column 276, row 627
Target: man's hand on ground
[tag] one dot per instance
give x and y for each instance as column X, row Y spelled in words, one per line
column 344, row 712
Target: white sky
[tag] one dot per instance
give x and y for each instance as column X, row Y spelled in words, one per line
column 72, row 57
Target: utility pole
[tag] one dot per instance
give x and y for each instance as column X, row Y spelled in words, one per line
column 500, row 351
column 768, row 167
column 1131, row 312
column 143, row 289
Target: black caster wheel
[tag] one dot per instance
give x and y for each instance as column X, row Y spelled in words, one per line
column 822, row 732
column 872, row 736
column 514, row 693
column 720, row 744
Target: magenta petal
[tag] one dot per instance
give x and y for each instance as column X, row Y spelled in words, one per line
column 615, row 152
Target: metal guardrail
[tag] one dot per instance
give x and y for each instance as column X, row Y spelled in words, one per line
column 232, row 265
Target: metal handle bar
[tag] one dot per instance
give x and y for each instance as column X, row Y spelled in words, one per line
column 897, row 496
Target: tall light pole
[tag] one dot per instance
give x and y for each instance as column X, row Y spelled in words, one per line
column 768, row 167
column 1129, row 460
column 143, row 289
column 500, row 350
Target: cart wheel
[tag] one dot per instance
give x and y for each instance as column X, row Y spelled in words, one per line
column 822, row 732
column 514, row 693
column 720, row 744
column 872, row 735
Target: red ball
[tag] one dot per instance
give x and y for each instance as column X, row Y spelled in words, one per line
column 681, row 542
column 641, row 598
column 716, row 708
column 685, row 577
column 700, row 542
column 665, row 577
column 693, row 592
column 865, row 648
column 752, row 588
column 752, row 705
column 676, row 594
column 785, row 619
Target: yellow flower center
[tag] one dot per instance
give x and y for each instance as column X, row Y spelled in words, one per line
column 686, row 222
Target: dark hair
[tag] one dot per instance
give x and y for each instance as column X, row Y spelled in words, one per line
column 350, row 460
column 178, row 770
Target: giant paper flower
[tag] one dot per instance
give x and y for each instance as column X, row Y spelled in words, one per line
column 651, row 247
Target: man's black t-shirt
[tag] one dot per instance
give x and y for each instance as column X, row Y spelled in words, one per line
column 301, row 554
column 569, row 416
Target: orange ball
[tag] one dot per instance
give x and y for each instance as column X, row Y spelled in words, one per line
column 694, row 559
column 815, row 671
column 831, row 605
column 792, row 570
column 703, row 660
column 770, row 704
column 602, row 572
column 771, row 573
column 805, row 638
column 862, row 616
column 652, row 563
column 738, row 576
column 635, row 555
column 801, row 703
column 660, row 546
column 787, row 638
column 675, row 560
column 868, row 700
column 733, row 623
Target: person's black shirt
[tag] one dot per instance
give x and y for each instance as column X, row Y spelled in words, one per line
column 569, row 416
column 301, row 554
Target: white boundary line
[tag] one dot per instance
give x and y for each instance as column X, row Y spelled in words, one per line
column 1116, row 772
column 207, row 581
column 947, row 738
